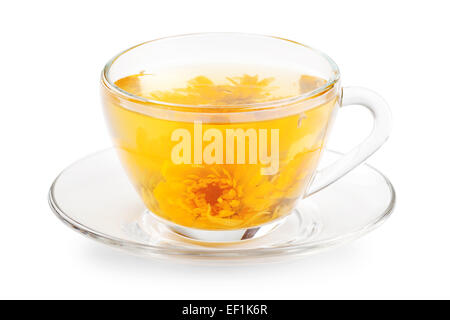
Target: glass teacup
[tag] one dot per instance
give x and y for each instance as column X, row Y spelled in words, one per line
column 221, row 133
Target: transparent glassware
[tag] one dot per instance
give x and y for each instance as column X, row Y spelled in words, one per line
column 142, row 128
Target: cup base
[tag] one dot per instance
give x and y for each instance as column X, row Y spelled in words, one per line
column 217, row 235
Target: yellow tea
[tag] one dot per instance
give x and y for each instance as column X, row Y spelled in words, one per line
column 200, row 153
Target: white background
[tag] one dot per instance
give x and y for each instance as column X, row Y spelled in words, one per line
column 51, row 56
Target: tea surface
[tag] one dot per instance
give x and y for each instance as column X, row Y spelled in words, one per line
column 227, row 87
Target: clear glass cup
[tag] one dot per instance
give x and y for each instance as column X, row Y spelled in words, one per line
column 227, row 162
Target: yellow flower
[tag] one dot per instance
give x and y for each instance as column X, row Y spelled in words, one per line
column 228, row 196
column 202, row 91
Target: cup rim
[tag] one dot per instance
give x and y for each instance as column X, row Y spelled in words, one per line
column 331, row 82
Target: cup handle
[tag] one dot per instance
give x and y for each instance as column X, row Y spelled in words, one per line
column 380, row 132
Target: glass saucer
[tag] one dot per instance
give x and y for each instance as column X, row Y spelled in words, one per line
column 94, row 197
